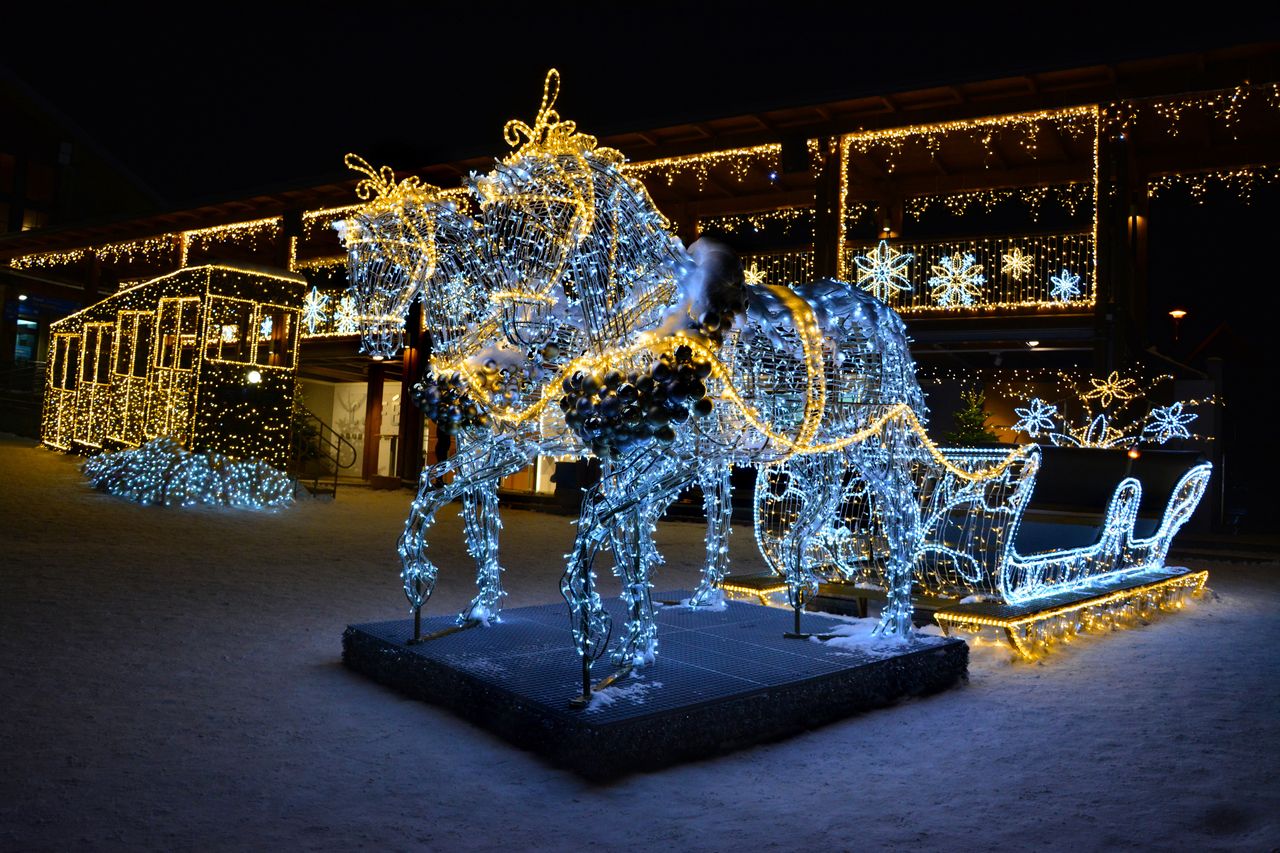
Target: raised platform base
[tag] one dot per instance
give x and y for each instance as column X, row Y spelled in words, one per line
column 1035, row 628
column 723, row 680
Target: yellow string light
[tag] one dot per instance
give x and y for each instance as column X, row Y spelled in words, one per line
column 738, row 161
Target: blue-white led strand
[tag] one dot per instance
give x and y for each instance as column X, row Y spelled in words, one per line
column 165, row 473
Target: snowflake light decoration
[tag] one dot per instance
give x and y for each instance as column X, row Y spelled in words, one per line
column 1113, row 387
column 458, row 298
column 753, row 274
column 957, row 280
column 882, row 271
column 1036, row 418
column 313, row 310
column 1091, row 426
column 1016, row 264
column 346, row 317
column 264, row 329
column 1064, row 286
column 1168, row 422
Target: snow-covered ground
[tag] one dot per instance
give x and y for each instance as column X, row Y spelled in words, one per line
column 170, row 679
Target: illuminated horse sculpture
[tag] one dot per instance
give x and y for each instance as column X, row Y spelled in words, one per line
column 602, row 331
column 412, row 241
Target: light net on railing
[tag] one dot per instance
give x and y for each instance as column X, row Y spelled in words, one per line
column 1053, row 271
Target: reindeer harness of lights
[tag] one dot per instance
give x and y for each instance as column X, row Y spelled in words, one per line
column 583, row 324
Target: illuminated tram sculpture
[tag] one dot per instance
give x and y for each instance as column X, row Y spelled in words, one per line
column 206, row 356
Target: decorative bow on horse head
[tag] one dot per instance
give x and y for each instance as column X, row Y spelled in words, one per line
column 549, row 134
column 380, row 184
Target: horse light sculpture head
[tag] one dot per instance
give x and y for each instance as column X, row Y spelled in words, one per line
column 408, row 240
column 564, row 226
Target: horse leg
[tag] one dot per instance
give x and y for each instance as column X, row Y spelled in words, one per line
column 638, row 644
column 717, row 502
column 639, row 496
column 478, row 463
column 588, row 620
column 482, row 523
column 900, row 511
column 819, row 490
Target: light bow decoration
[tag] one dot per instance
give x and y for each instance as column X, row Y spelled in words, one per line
column 595, row 332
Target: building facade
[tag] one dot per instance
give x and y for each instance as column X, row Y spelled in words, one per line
column 1008, row 220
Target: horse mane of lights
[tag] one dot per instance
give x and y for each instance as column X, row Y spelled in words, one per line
column 567, row 320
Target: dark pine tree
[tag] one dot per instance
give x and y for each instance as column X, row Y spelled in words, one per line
column 971, row 421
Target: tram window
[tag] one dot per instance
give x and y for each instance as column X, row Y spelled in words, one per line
column 226, row 334
column 142, row 345
column 105, row 338
column 126, row 327
column 88, row 362
column 71, row 377
column 58, row 360
column 277, row 333
column 188, row 331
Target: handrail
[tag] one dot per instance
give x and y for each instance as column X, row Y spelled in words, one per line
column 324, row 442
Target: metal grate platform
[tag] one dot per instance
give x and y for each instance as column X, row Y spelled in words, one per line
column 723, row 680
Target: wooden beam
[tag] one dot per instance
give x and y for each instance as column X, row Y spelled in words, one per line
column 1018, row 176
column 758, row 203
column 372, row 419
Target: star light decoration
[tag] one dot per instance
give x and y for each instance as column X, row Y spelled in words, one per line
column 882, row 271
column 347, row 318
column 1016, row 264
column 1113, row 387
column 1064, row 286
column 957, row 280
column 313, row 310
column 1168, row 422
column 1036, row 418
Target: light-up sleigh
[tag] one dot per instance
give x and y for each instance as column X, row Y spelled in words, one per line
column 996, row 561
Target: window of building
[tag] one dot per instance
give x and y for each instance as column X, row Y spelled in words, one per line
column 24, row 347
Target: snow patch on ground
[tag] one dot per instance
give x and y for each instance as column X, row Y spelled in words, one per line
column 715, row 602
column 173, row 681
column 633, row 691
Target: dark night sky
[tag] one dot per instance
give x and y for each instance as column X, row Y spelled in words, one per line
column 209, row 101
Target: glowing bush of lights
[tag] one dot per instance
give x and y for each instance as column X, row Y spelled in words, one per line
column 163, row 472
column 569, row 321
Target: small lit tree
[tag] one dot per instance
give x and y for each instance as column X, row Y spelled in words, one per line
column 971, row 421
